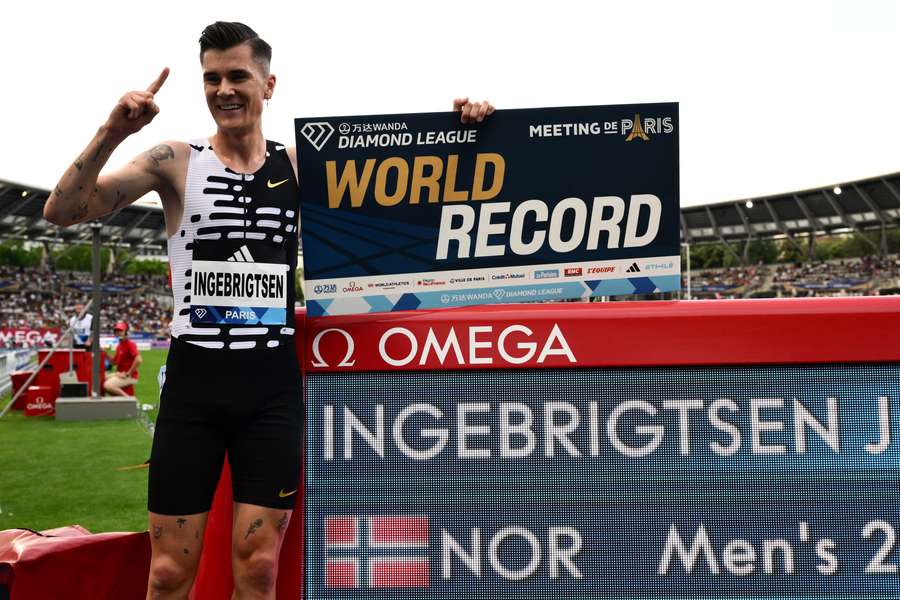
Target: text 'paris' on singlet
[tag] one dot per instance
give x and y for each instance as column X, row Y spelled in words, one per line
column 234, row 256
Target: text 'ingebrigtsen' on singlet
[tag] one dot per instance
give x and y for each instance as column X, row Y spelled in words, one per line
column 229, row 283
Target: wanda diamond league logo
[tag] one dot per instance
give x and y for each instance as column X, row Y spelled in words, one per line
column 317, row 133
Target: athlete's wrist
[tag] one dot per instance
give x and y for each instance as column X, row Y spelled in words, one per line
column 109, row 134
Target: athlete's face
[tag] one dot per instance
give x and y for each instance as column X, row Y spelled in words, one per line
column 235, row 86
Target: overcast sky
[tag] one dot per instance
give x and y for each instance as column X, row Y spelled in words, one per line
column 775, row 96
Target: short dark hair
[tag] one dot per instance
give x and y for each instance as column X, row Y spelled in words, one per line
column 223, row 35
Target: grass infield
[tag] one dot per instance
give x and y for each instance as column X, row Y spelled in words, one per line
column 64, row 473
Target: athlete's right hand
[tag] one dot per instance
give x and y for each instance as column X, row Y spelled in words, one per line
column 135, row 109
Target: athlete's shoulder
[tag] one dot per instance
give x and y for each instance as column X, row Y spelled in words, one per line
column 166, row 158
column 170, row 149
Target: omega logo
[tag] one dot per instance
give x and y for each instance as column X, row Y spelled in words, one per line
column 345, row 362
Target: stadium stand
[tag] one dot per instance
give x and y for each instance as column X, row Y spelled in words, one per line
column 870, row 206
column 868, row 275
column 46, row 298
column 139, row 227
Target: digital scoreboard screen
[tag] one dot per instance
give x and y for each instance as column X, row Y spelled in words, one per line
column 626, row 483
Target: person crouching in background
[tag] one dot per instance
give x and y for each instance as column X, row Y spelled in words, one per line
column 126, row 360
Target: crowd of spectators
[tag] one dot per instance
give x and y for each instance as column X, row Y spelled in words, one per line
column 45, row 298
column 34, row 298
column 733, row 281
column 867, row 275
column 841, row 277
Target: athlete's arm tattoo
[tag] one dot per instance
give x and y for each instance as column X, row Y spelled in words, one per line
column 186, row 551
column 282, row 522
column 79, row 163
column 160, row 153
column 157, row 532
column 253, row 527
column 181, row 522
column 81, row 211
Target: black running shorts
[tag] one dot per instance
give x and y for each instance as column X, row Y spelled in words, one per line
column 243, row 403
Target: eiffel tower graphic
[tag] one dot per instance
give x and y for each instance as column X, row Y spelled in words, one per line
column 637, row 131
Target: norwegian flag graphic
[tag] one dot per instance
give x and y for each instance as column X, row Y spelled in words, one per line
column 385, row 551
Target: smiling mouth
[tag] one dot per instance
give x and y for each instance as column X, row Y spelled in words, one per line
column 229, row 107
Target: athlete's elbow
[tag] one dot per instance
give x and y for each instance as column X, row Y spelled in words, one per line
column 54, row 215
column 59, row 216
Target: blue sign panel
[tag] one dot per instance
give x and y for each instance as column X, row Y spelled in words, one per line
column 666, row 483
column 420, row 211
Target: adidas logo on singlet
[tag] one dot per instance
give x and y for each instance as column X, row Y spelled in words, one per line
column 242, row 255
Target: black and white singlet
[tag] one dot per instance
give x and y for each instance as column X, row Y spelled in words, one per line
column 234, row 255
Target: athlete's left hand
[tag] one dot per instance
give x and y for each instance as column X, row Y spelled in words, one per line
column 472, row 112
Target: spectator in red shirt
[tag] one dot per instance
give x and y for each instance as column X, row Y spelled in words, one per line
column 126, row 360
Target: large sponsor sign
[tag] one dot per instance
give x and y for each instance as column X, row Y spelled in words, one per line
column 579, row 452
column 708, row 482
column 423, row 346
column 420, row 211
column 28, row 337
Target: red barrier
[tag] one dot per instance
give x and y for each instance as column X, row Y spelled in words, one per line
column 77, row 360
column 69, row 562
column 39, row 402
column 18, row 379
column 523, row 336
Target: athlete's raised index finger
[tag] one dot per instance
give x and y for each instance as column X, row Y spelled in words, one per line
column 154, row 87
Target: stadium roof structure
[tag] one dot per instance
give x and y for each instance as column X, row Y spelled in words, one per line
column 856, row 206
column 862, row 205
column 22, row 217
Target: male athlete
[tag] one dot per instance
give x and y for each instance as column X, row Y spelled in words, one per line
column 232, row 378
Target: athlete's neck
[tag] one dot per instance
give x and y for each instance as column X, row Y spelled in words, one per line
column 243, row 151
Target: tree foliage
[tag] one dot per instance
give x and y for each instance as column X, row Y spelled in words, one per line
column 14, row 254
column 78, row 258
column 828, row 247
column 147, row 267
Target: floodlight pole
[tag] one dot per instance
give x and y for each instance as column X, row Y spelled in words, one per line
column 95, row 306
column 687, row 254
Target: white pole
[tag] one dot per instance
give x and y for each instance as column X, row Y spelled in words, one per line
column 687, row 253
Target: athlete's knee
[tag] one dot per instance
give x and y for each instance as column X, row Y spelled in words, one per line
column 259, row 570
column 167, row 575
